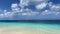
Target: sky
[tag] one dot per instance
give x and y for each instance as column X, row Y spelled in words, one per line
column 29, row 9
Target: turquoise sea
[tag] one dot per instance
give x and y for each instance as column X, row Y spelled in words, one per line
column 38, row 28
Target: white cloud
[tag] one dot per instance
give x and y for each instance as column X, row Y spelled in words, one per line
column 47, row 12
column 55, row 7
column 30, row 13
column 41, row 6
column 24, row 3
column 15, row 7
column 32, row 2
column 57, row 13
column 50, row 4
column 24, row 14
column 7, row 14
column 1, row 14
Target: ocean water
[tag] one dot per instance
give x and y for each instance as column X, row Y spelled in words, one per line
column 28, row 28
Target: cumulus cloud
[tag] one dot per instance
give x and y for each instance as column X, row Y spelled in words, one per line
column 24, row 3
column 32, row 2
column 53, row 9
column 6, row 14
column 41, row 6
column 19, row 10
column 53, row 6
column 15, row 7
column 46, row 12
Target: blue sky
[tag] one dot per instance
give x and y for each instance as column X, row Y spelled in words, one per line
column 6, row 4
column 32, row 9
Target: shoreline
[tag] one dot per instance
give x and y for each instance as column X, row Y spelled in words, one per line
column 29, row 30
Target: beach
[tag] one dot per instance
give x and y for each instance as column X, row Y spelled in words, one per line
column 29, row 28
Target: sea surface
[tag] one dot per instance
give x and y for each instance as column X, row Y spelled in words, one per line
column 28, row 28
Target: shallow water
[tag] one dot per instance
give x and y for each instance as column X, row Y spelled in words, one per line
column 28, row 28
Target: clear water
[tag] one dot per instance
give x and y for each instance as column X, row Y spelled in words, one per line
column 47, row 27
column 24, row 24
